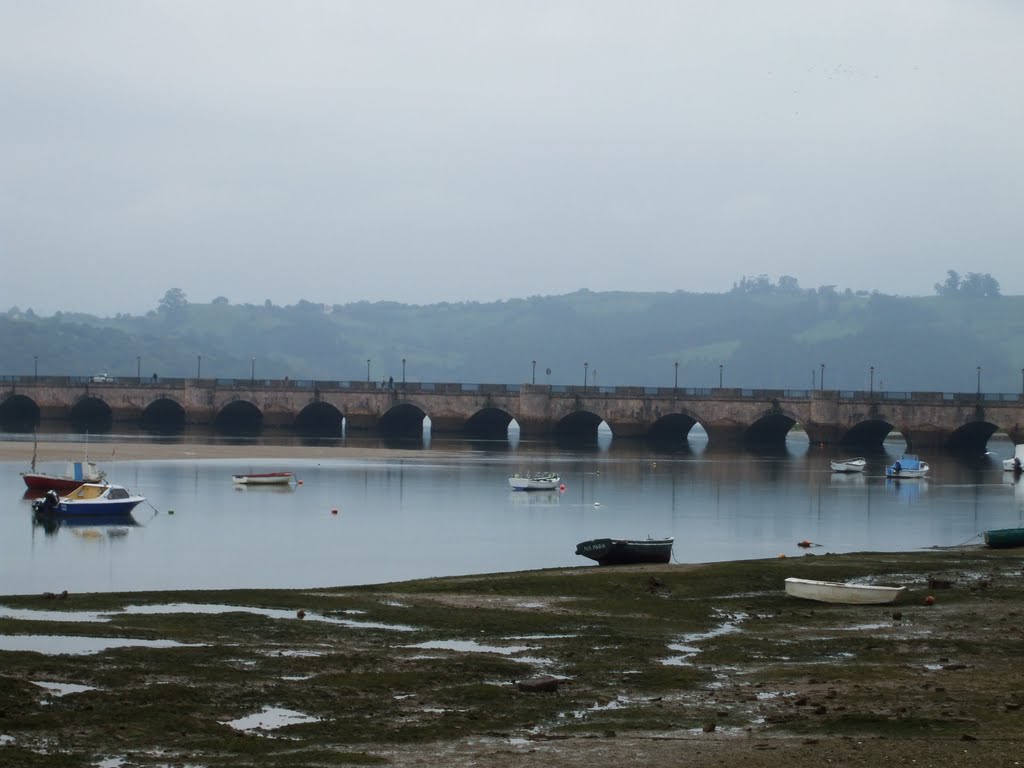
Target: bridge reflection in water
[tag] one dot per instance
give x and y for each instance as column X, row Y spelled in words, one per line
column 667, row 415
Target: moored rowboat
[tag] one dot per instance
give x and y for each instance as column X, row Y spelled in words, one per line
column 264, row 478
column 849, row 465
column 839, row 592
column 626, row 551
column 1002, row 538
column 540, row 481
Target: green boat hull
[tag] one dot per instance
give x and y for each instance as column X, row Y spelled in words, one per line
column 1005, row 537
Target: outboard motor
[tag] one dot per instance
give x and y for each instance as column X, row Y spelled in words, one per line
column 48, row 503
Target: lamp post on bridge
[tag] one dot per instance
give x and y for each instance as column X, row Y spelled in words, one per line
column 822, row 379
column 720, row 367
column 199, row 366
column 403, row 372
column 585, row 367
column 252, row 373
column 676, row 385
column 367, row 370
column 533, row 374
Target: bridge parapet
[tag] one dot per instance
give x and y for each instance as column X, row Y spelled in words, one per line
column 924, row 418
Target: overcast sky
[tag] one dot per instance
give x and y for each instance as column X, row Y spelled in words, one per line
column 433, row 150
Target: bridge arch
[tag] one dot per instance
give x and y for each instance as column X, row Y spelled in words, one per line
column 19, row 414
column 90, row 414
column 164, row 416
column 579, row 425
column 491, row 423
column 971, row 437
column 319, row 419
column 867, row 434
column 673, row 427
column 239, row 417
column 403, row 420
column 770, row 428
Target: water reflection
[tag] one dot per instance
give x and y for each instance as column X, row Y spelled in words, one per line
column 110, row 525
column 447, row 510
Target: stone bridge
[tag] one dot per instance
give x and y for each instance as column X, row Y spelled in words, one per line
column 324, row 408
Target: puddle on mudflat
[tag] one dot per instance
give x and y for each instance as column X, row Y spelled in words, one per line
column 270, row 719
column 470, row 645
column 730, row 626
column 27, row 614
column 62, row 689
column 297, row 654
column 270, row 613
column 77, row 645
column 580, row 714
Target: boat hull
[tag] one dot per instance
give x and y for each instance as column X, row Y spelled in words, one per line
column 546, row 483
column 44, row 482
column 267, row 478
column 119, row 507
column 1002, row 538
column 626, row 551
column 839, row 592
column 849, row 465
column 907, row 468
column 89, row 499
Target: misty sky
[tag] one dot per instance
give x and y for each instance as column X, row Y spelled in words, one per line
column 436, row 150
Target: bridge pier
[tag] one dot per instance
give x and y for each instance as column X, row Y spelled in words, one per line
column 361, row 422
column 447, row 425
column 533, row 428
column 824, row 434
column 725, row 435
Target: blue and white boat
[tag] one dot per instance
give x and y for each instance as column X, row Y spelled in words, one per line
column 907, row 467
column 90, row 499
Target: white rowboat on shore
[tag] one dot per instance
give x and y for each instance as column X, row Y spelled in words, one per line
column 839, row 592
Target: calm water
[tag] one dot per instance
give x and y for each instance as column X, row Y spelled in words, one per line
column 450, row 512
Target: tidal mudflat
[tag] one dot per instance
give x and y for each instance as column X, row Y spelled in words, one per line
column 642, row 665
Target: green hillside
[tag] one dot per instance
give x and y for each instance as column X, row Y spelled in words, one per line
column 753, row 339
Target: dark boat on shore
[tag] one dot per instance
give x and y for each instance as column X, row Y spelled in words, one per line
column 1004, row 538
column 626, row 551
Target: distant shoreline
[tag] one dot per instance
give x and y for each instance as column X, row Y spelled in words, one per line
column 129, row 451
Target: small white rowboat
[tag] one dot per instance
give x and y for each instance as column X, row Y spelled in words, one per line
column 838, row 592
column 541, row 481
column 264, row 478
column 849, row 465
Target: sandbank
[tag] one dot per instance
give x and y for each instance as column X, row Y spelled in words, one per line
column 132, row 451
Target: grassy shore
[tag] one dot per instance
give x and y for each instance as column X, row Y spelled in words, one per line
column 694, row 665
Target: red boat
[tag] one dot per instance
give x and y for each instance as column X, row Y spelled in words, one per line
column 77, row 472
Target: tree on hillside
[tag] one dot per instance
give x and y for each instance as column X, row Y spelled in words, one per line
column 975, row 284
column 978, row 284
column 173, row 301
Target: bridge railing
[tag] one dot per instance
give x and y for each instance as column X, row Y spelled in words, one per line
column 410, row 387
